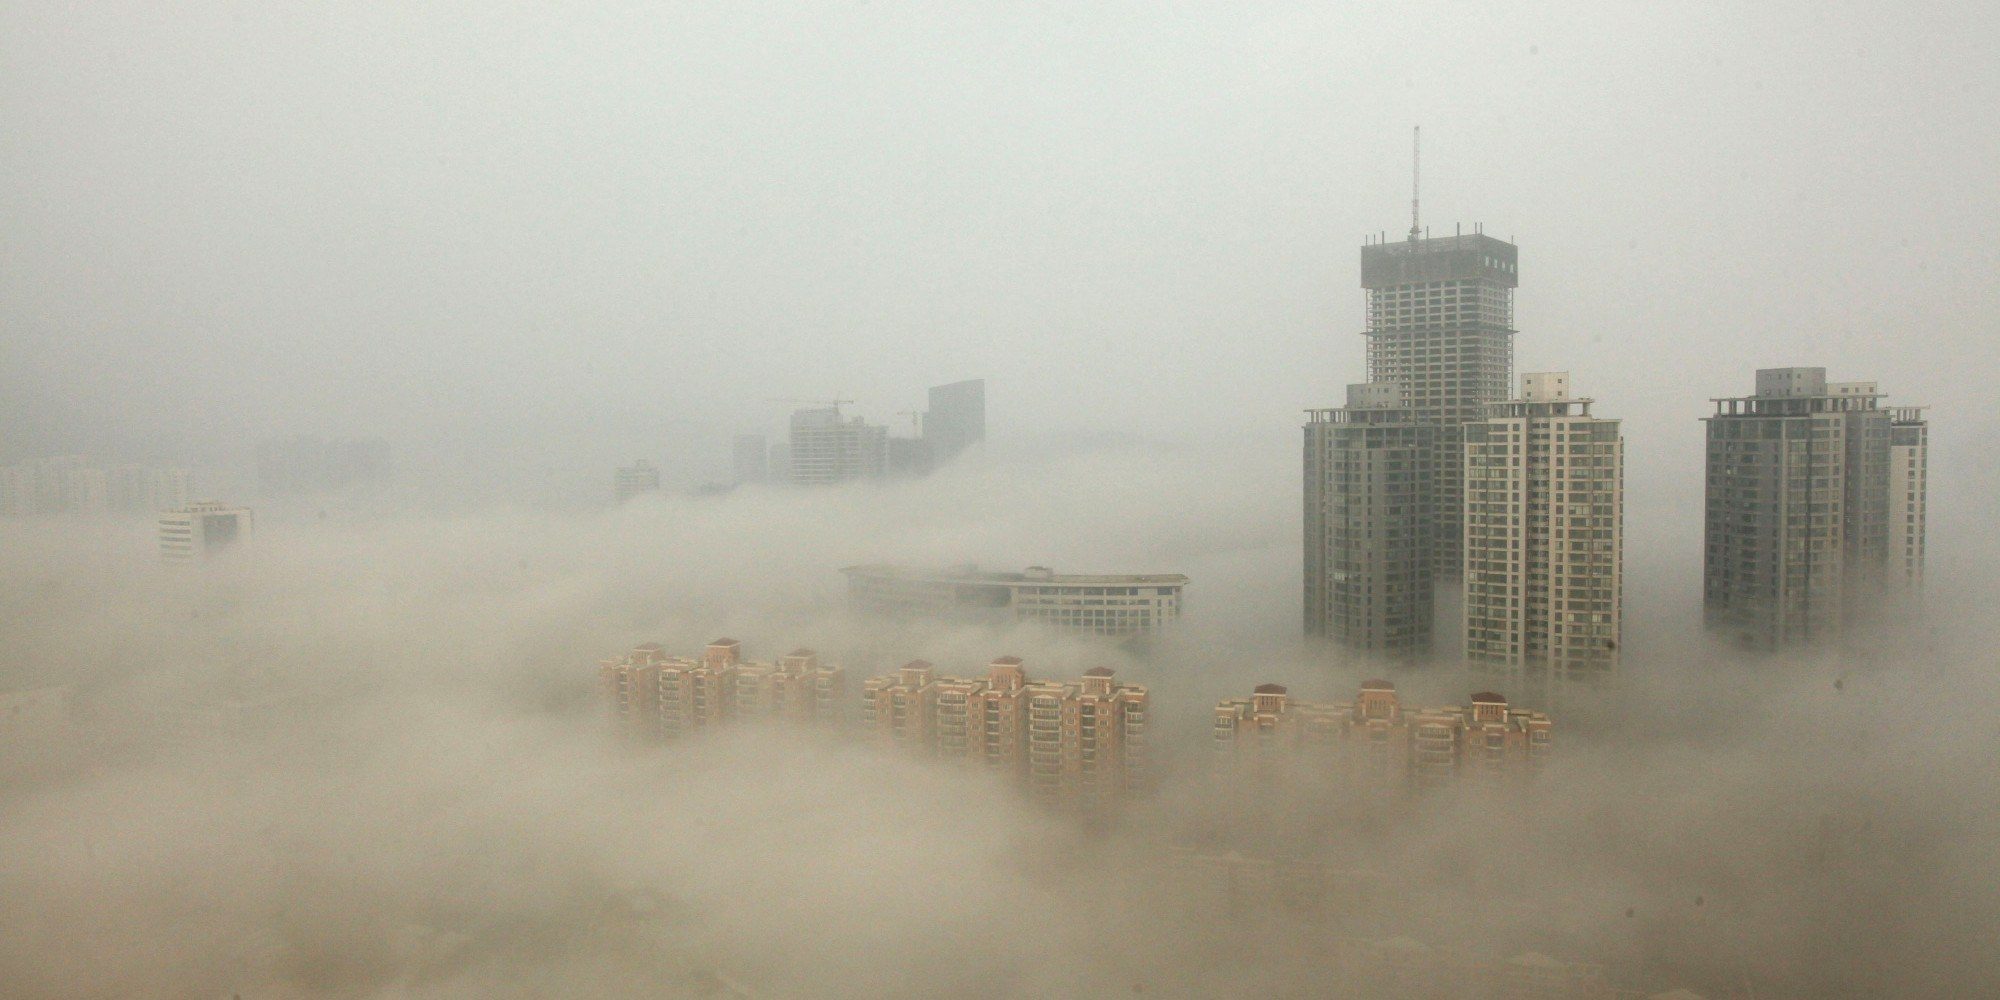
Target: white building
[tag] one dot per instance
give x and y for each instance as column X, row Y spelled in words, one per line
column 1544, row 541
column 198, row 531
column 1108, row 605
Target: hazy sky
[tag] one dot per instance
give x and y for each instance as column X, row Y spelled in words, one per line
column 526, row 229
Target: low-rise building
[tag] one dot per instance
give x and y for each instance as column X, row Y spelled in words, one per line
column 201, row 530
column 1108, row 605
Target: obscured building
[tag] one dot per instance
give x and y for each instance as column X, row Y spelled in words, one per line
column 71, row 485
column 1377, row 739
column 655, row 696
column 1370, row 483
column 1080, row 742
column 1811, row 484
column 201, row 530
column 752, row 458
column 309, row 464
column 827, row 449
column 633, row 480
column 956, row 419
column 1106, row 605
column 1544, row 541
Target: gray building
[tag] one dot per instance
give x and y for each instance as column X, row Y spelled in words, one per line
column 1544, row 542
column 1441, row 323
column 632, row 480
column 198, row 531
column 827, row 449
column 752, row 459
column 1801, row 488
column 956, row 419
column 1097, row 604
column 1369, row 491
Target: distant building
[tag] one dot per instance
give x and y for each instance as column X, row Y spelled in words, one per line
column 198, row 531
column 909, row 457
column 752, row 458
column 1376, row 739
column 1802, row 485
column 827, row 449
column 956, row 419
column 632, row 480
column 1107, row 605
column 71, row 485
column 1369, row 489
column 1081, row 742
column 655, row 697
column 1544, row 541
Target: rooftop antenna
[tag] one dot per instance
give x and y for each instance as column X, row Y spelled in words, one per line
column 1416, row 163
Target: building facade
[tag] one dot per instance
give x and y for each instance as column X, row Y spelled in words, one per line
column 1080, row 742
column 1378, row 741
column 1440, row 323
column 1106, row 605
column 633, row 480
column 657, row 697
column 1369, row 485
column 1544, row 541
column 201, row 530
column 827, row 449
column 956, row 419
column 1797, row 529
column 1909, row 459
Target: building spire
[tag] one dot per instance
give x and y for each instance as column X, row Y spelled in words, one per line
column 1416, row 163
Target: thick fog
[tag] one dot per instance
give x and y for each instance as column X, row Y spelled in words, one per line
column 360, row 754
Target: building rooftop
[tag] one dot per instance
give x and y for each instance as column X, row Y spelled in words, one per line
column 1268, row 689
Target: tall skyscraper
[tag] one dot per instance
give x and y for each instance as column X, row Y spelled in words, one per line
column 827, row 449
column 1909, row 446
column 1369, row 522
column 632, row 480
column 956, row 420
column 1798, row 531
column 1544, row 541
column 1441, row 324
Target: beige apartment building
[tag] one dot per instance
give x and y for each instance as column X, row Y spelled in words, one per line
column 657, row 697
column 1081, row 741
column 1378, row 740
column 1544, row 542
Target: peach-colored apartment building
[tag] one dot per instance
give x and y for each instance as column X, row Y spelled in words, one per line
column 1377, row 738
column 655, row 696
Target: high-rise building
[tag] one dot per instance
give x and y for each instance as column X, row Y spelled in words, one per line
column 956, row 419
column 1106, row 605
column 1377, row 740
column 1909, row 447
column 1369, row 482
column 1081, row 742
column 200, row 530
column 632, row 480
column 827, row 448
column 1441, row 324
column 752, row 459
column 1798, row 530
column 1544, row 541
column 654, row 696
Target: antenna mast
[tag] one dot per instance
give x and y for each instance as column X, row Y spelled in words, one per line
column 1416, row 163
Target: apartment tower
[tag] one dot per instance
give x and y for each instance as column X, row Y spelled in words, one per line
column 1441, row 324
column 1802, row 489
column 1544, row 541
column 1370, row 521
column 827, row 449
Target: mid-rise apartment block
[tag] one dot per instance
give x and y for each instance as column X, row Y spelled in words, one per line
column 201, row 530
column 655, row 696
column 827, row 449
column 1080, row 742
column 71, row 485
column 1113, row 605
column 1369, row 495
column 637, row 479
column 1544, row 541
column 1379, row 741
column 1801, row 492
